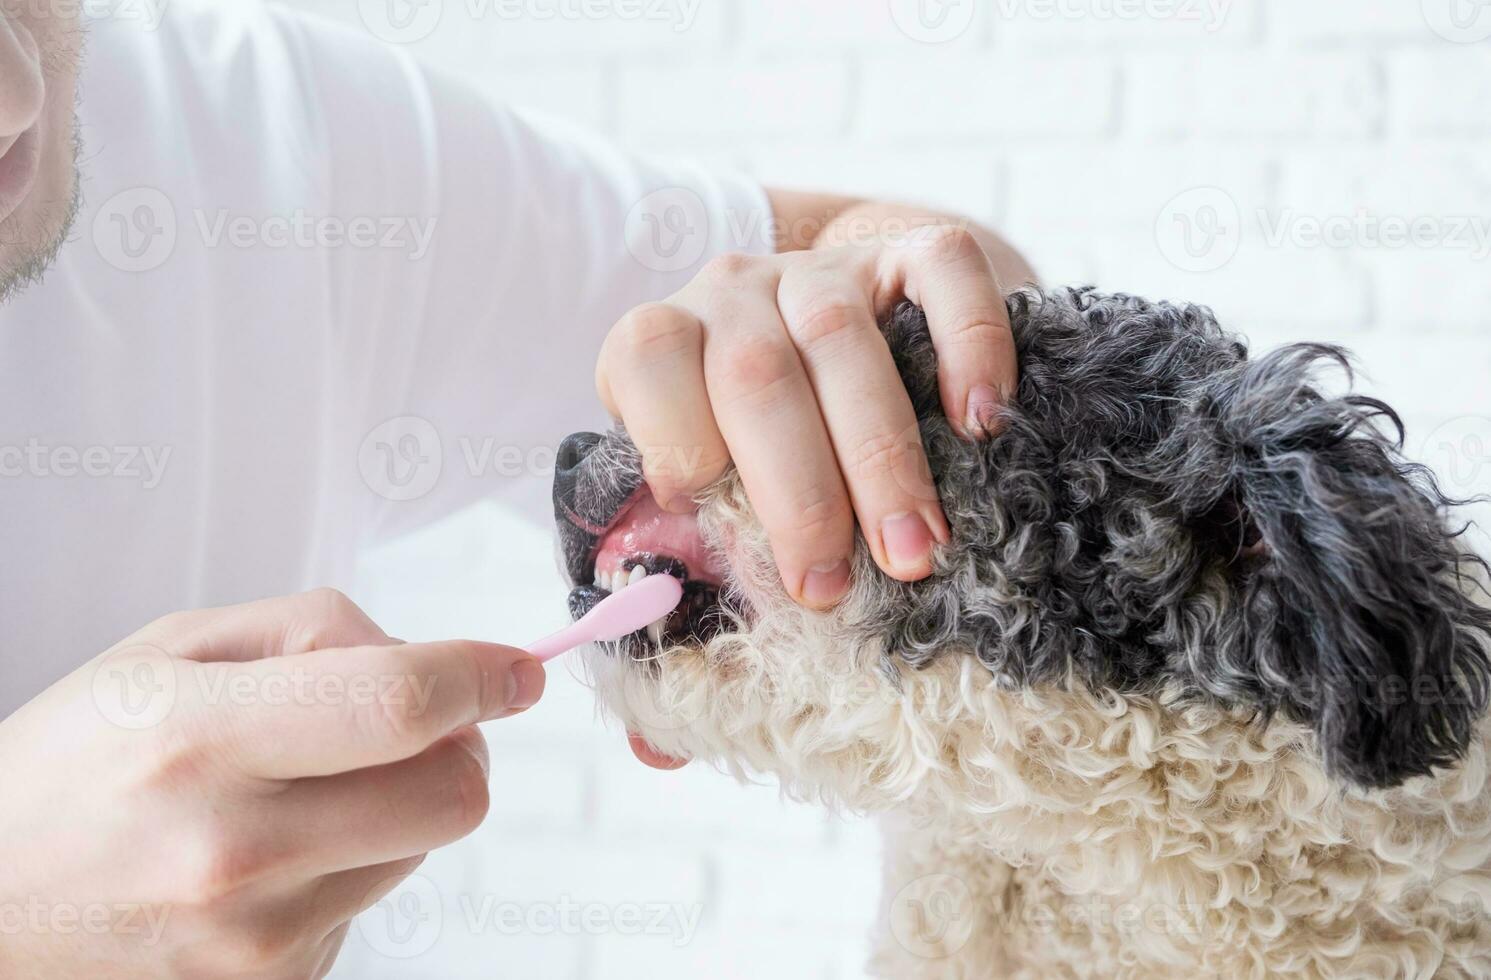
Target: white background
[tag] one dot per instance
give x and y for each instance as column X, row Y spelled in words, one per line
column 1095, row 134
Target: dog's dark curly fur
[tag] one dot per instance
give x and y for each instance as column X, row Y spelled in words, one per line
column 1159, row 507
column 1199, row 625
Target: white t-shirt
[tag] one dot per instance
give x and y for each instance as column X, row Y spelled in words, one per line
column 291, row 236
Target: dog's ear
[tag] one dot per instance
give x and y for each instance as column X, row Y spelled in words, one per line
column 1362, row 614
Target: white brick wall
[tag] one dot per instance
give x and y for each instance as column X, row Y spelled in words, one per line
column 1078, row 127
column 1441, row 93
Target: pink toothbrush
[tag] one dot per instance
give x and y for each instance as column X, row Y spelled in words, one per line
column 620, row 613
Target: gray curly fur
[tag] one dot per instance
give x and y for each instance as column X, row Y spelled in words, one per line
column 1158, row 508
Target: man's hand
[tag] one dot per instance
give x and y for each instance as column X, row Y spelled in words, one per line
column 778, row 364
column 219, row 794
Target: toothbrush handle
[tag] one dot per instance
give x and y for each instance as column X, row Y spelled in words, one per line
column 564, row 641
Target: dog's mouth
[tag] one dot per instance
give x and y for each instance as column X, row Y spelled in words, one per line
column 646, row 540
column 614, row 534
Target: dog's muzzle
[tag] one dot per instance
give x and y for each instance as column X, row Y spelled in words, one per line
column 612, row 533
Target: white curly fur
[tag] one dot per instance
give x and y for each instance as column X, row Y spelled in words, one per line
column 1053, row 832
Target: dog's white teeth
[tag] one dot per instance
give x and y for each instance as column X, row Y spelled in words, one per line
column 655, row 633
column 614, row 582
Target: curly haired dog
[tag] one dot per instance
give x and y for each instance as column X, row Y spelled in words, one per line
column 1198, row 689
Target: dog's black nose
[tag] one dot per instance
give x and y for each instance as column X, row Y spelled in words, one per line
column 573, row 450
column 595, row 477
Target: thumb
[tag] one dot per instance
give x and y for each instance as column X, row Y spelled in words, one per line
column 282, row 626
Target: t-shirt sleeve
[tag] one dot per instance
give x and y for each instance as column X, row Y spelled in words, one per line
column 506, row 247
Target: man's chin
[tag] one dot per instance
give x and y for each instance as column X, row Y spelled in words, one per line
column 31, row 239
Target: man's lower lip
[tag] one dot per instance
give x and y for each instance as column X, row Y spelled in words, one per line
column 18, row 169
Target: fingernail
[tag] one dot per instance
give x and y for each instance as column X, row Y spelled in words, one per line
column 983, row 411
column 679, row 504
column 907, row 540
column 824, row 584
column 525, row 685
